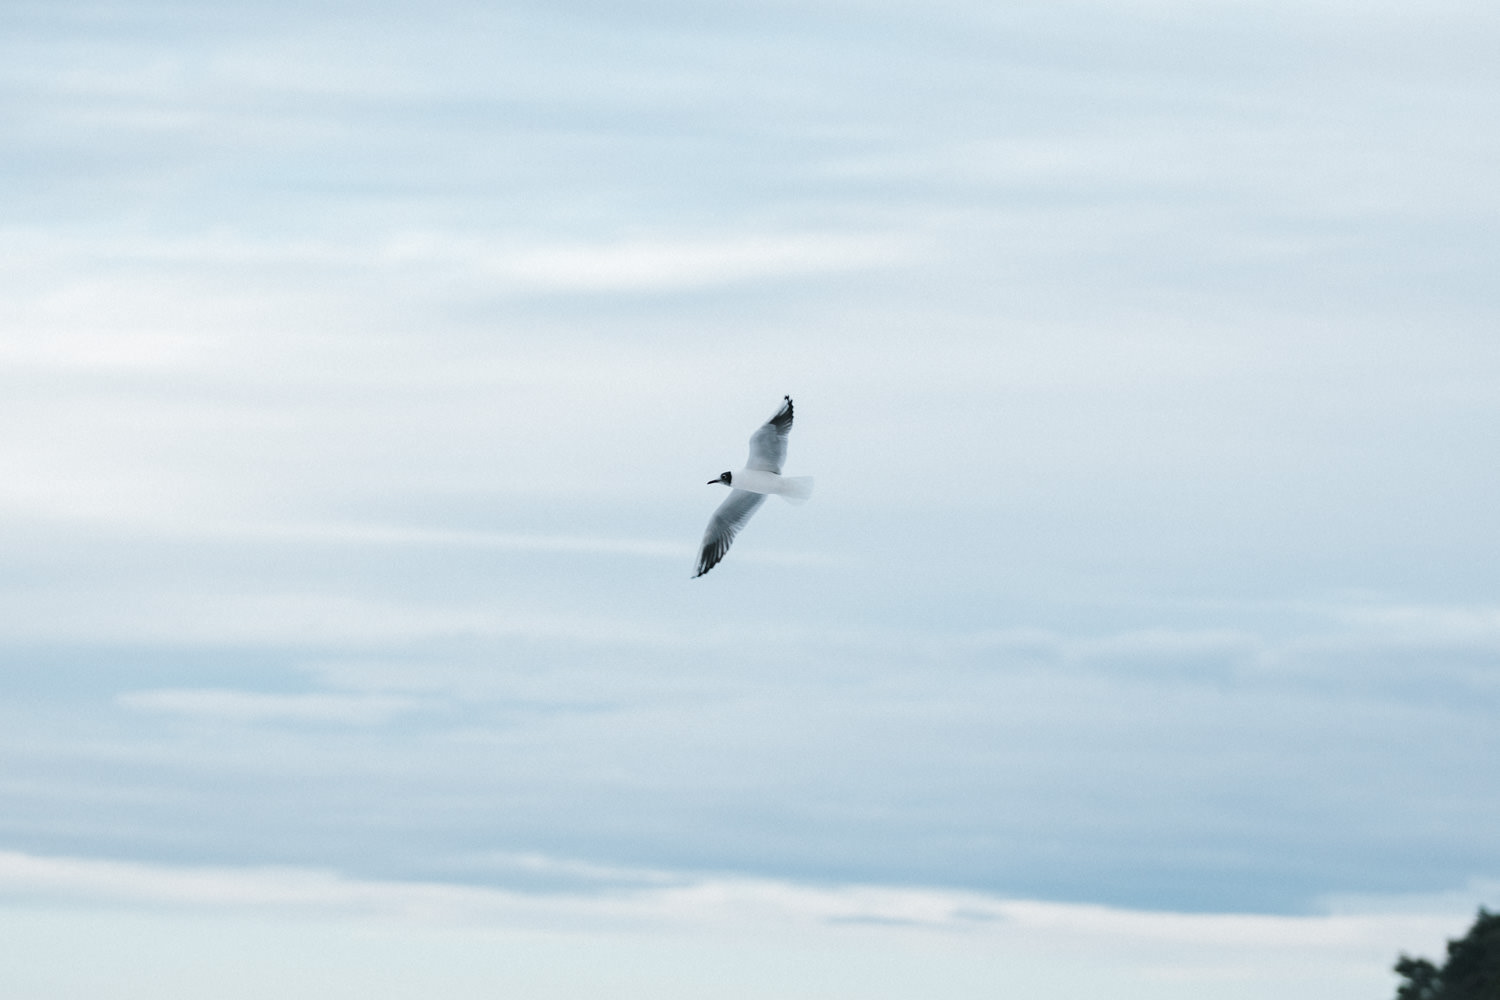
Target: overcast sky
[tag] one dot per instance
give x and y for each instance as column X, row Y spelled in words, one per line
column 361, row 368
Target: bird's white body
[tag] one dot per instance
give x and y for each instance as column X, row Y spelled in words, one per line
column 793, row 488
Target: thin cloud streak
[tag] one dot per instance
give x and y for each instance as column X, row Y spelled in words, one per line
column 705, row 900
column 334, row 533
column 889, row 942
column 252, row 706
column 660, row 264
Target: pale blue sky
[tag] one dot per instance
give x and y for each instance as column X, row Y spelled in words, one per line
column 361, row 367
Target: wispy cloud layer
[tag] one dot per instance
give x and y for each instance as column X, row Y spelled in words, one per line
column 656, row 266
column 1201, row 768
column 249, row 706
column 922, row 934
column 710, row 902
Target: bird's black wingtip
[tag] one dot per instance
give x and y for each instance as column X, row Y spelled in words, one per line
column 782, row 421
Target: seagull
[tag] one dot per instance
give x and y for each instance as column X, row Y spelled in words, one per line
column 748, row 487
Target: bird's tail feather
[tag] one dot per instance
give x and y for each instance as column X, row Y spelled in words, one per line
column 796, row 489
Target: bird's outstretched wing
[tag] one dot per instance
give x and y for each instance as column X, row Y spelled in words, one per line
column 731, row 516
column 768, row 443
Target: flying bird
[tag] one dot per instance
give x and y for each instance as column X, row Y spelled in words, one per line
column 748, row 487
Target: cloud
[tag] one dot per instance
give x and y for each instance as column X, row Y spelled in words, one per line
column 657, row 897
column 1474, row 625
column 1207, row 768
column 657, row 265
column 772, row 937
column 356, row 533
column 251, row 706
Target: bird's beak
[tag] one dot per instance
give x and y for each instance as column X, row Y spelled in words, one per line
column 711, row 482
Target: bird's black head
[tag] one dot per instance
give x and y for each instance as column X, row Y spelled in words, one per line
column 724, row 477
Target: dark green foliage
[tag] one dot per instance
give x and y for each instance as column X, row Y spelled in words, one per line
column 1472, row 971
column 1423, row 981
